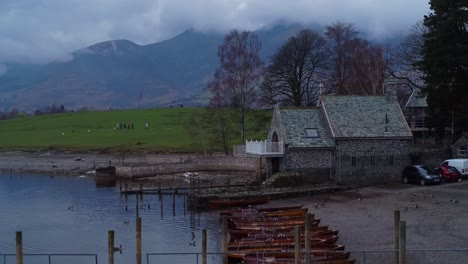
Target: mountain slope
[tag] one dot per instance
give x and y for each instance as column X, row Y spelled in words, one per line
column 122, row 74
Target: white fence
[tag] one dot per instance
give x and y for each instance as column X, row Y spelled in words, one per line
column 263, row 147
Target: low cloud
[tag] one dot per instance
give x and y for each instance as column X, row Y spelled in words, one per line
column 44, row 31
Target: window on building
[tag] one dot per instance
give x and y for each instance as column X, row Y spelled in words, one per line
column 353, row 161
column 372, row 160
column 390, row 160
column 311, row 133
column 463, row 151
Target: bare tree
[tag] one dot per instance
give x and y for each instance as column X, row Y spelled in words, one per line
column 366, row 67
column 218, row 115
column 339, row 37
column 292, row 77
column 239, row 73
column 401, row 61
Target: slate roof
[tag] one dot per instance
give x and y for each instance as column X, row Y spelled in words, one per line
column 415, row 100
column 295, row 121
column 364, row 117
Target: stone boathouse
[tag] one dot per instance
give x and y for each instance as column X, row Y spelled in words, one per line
column 346, row 139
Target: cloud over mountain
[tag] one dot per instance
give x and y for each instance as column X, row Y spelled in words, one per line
column 44, row 31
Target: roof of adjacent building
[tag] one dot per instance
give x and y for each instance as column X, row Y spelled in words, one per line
column 295, row 121
column 364, row 117
column 416, row 100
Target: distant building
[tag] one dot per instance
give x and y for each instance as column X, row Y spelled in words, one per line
column 349, row 139
column 460, row 146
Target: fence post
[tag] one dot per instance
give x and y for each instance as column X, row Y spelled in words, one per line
column 402, row 257
column 297, row 244
column 307, row 237
column 138, row 240
column 396, row 216
column 110, row 246
column 224, row 235
column 19, row 247
column 203, row 246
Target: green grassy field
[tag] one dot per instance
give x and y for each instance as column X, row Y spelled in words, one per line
column 170, row 130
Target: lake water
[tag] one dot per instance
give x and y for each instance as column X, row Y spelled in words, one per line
column 70, row 215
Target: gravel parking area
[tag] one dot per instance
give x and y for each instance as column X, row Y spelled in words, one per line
column 436, row 218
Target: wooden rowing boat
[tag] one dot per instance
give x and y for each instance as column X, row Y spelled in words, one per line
column 240, row 202
column 286, row 235
column 260, row 209
column 237, row 233
column 286, row 257
column 277, row 243
column 273, row 228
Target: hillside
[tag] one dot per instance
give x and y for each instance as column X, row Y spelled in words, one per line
column 115, row 74
column 169, row 130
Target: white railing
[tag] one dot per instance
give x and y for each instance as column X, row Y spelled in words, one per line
column 263, row 147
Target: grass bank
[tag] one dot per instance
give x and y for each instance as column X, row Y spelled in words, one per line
column 169, row 130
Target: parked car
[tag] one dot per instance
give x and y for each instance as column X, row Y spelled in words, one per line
column 420, row 174
column 448, row 173
column 460, row 164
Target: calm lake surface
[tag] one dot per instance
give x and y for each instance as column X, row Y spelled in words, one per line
column 70, row 215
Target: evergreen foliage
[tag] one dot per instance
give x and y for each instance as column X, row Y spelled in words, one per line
column 445, row 64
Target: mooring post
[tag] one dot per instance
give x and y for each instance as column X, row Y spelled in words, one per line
column 161, row 204
column 137, row 207
column 19, row 247
column 204, row 246
column 297, row 244
column 396, row 223
column 159, row 188
column 402, row 244
column 110, row 246
column 173, row 204
column 308, row 226
column 138, row 240
column 224, row 236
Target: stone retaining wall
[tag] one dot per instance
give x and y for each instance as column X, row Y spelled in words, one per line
column 193, row 165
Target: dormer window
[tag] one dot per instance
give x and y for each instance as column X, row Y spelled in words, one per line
column 311, row 133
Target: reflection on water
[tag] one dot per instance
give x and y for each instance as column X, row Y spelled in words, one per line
column 71, row 215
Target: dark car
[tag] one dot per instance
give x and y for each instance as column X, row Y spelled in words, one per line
column 420, row 174
column 448, row 173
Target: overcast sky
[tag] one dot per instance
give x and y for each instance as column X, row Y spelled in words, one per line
column 40, row 31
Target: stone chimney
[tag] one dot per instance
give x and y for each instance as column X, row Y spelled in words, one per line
column 390, row 84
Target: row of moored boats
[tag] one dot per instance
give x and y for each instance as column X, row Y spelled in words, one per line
column 266, row 235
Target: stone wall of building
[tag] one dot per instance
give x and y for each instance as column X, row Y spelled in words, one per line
column 371, row 161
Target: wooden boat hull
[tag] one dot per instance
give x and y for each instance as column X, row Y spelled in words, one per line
column 237, row 233
column 278, row 243
column 241, row 202
column 287, row 257
column 260, row 210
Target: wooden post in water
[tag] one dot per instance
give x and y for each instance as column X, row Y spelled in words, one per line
column 138, row 240
column 396, row 223
column 141, row 191
column 224, row 237
column 110, row 246
column 161, row 204
column 173, row 204
column 402, row 244
column 204, row 246
column 308, row 226
column 137, row 207
column 297, row 244
column 19, row 247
